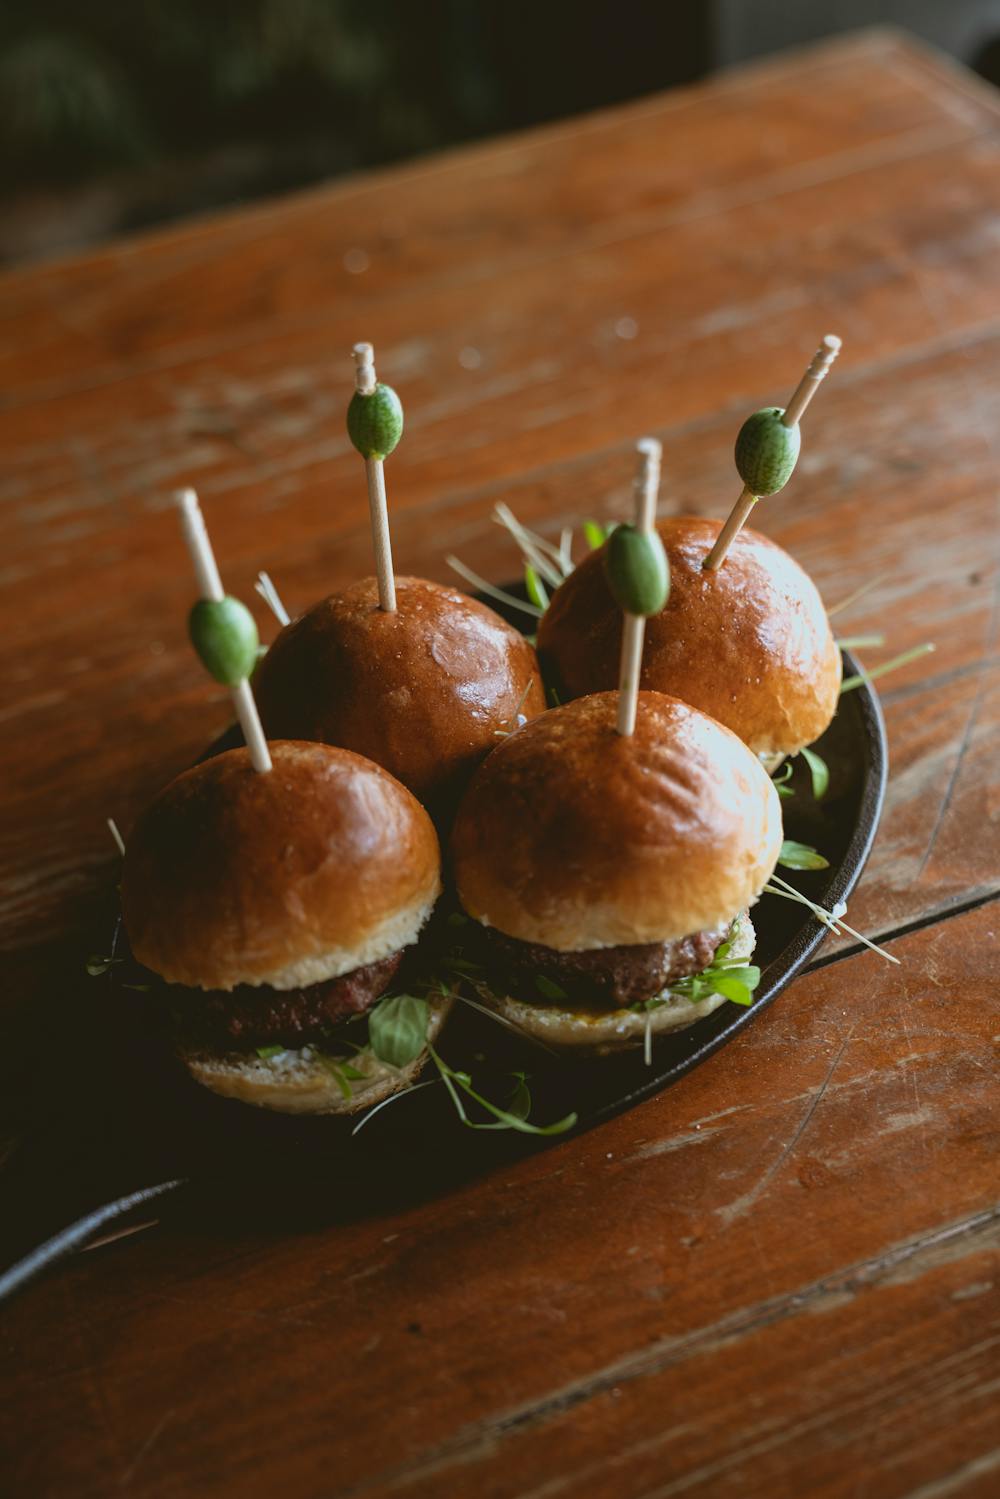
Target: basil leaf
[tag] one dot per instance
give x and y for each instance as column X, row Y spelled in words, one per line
column 819, row 770
column 397, row 1028
column 267, row 1052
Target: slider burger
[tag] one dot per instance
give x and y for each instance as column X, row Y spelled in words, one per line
column 750, row 644
column 609, row 876
column 424, row 691
column 274, row 911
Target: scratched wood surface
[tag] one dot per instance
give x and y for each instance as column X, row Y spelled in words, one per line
column 781, row 1276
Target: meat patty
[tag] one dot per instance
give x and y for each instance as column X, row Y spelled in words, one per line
column 255, row 1015
column 603, row 977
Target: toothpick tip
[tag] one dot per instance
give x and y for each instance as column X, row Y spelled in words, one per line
column 650, row 447
column 186, row 499
column 364, row 368
column 832, row 342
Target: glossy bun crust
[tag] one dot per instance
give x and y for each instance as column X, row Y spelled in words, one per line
column 750, row 644
column 577, row 838
column 322, row 865
column 422, row 691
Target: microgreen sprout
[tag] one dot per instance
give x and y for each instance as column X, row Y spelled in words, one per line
column 594, row 534
column 517, row 718
column 780, row 782
column 849, row 683
column 819, row 771
column 550, row 561
column 514, row 1116
column 97, row 964
column 800, row 856
column 858, row 642
column 502, row 1020
column 833, row 919
column 265, row 587
column 535, row 588
column 342, row 1073
column 730, row 977
column 858, row 593
column 393, row 1098
column 490, row 590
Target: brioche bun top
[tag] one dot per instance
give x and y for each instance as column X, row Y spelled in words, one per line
column 749, row 644
column 422, row 691
column 575, row 837
column 320, row 866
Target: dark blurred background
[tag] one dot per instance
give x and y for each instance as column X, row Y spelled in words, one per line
column 122, row 113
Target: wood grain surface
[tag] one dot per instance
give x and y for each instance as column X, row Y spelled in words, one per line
column 781, row 1276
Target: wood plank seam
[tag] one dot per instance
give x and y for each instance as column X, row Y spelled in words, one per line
column 907, row 1260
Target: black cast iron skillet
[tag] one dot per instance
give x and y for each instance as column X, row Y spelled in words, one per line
column 228, row 1163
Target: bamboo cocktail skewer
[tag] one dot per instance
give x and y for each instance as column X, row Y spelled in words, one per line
column 375, row 425
column 767, row 449
column 636, row 567
column 223, row 631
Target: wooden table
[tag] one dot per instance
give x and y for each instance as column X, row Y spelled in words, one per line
column 780, row 1277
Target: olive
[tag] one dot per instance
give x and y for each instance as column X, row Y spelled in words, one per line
column 637, row 570
column 767, row 451
column 375, row 422
column 224, row 634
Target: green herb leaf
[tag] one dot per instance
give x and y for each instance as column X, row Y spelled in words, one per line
column 397, row 1028
column 548, row 988
column 520, row 1100
column 595, row 534
column 510, row 1118
column 267, row 1052
column 535, row 588
column 780, row 783
column 351, row 1072
column 730, row 986
column 336, row 1071
column 800, row 856
column 820, row 772
column 97, row 964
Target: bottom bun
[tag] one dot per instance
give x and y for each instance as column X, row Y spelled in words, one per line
column 604, row 1031
column 298, row 1083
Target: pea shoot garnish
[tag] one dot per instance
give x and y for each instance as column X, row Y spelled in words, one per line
column 398, row 1033
column 222, row 630
column 767, row 450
